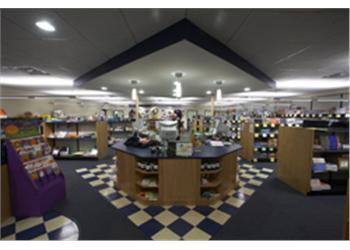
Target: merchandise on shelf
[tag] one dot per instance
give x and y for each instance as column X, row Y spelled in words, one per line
column 147, row 166
column 149, row 182
column 317, row 185
column 149, row 195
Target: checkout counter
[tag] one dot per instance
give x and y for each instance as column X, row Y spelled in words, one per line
column 200, row 179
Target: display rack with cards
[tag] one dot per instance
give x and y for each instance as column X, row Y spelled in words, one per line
column 36, row 181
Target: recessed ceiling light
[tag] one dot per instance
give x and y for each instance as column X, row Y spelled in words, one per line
column 45, row 25
column 247, row 89
column 208, row 92
column 104, row 88
column 141, row 91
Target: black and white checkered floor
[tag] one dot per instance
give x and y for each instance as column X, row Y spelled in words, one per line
column 51, row 226
column 176, row 222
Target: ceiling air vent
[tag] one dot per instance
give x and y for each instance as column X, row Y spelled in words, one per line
column 338, row 75
column 30, row 70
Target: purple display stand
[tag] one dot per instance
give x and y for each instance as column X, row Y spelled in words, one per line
column 28, row 197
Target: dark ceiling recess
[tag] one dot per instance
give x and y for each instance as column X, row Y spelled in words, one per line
column 182, row 30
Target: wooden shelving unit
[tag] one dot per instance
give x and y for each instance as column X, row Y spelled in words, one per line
column 78, row 143
column 124, row 128
column 140, row 175
column 178, row 179
column 259, row 141
column 295, row 153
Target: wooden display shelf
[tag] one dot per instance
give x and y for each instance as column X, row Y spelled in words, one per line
column 146, row 201
column 179, row 179
column 146, row 172
column 211, row 184
column 295, row 153
column 138, row 183
column 216, row 171
column 100, row 139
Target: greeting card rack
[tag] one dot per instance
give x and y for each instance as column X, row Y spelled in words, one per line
column 36, row 182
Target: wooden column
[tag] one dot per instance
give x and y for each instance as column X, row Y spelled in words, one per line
column 212, row 105
column 137, row 101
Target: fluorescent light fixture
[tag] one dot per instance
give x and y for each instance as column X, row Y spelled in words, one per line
column 104, row 88
column 134, row 94
column 177, row 92
column 76, row 92
column 208, row 92
column 313, row 84
column 267, row 94
column 247, row 89
column 332, row 100
column 141, row 91
column 35, row 81
column 45, row 25
column 218, row 94
column 105, row 98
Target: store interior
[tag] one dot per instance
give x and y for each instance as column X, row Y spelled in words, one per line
column 174, row 124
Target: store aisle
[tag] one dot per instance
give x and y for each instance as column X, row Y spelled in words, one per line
column 96, row 218
column 273, row 212
column 276, row 212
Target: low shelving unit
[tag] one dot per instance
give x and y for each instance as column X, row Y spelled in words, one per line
column 299, row 147
column 162, row 180
column 79, row 140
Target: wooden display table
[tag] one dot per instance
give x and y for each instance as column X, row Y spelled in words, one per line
column 178, row 179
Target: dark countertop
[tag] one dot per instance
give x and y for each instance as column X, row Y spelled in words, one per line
column 203, row 152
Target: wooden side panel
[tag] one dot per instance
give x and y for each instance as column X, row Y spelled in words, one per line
column 179, row 181
column 47, row 130
column 295, row 150
column 228, row 163
column 5, row 194
column 247, row 141
column 102, row 139
column 126, row 165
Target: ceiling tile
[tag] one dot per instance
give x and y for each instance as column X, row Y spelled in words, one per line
column 146, row 22
column 220, row 23
column 11, row 31
column 295, row 27
column 104, row 28
column 26, row 19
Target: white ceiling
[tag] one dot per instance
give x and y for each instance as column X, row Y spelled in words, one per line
column 284, row 44
column 201, row 69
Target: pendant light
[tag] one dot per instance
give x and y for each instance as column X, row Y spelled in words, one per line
column 134, row 90
column 219, row 91
column 134, row 94
column 177, row 92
